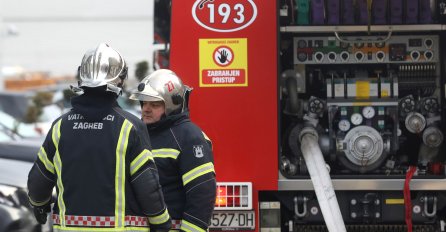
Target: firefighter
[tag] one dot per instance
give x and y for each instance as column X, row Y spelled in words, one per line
column 98, row 157
column 182, row 151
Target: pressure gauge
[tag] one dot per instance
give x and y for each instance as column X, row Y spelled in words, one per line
column 368, row 112
column 356, row 119
column 344, row 125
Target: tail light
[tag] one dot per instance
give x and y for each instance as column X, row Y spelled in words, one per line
column 234, row 195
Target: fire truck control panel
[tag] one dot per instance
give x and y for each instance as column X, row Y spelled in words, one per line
column 375, row 100
column 335, row 119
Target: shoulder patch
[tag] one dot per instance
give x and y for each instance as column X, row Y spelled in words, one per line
column 198, row 151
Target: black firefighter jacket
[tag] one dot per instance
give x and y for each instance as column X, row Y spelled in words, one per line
column 184, row 158
column 103, row 170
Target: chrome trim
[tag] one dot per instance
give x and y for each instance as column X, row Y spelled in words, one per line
column 364, row 184
column 389, row 103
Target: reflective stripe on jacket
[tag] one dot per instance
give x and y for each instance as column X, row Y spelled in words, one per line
column 184, row 159
column 95, row 166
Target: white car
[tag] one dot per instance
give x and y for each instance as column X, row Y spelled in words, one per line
column 16, row 160
column 31, row 130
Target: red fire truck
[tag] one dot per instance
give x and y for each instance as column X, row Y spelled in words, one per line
column 325, row 115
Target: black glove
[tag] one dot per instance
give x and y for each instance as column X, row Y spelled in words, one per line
column 159, row 230
column 41, row 213
column 165, row 227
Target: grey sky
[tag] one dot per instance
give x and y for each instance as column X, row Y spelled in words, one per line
column 53, row 35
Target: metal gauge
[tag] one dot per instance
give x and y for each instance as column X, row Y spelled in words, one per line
column 356, row 118
column 344, row 125
column 368, row 112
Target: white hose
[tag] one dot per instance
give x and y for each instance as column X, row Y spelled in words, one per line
column 321, row 181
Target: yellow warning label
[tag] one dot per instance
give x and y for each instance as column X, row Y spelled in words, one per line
column 362, row 89
column 394, row 201
column 223, row 62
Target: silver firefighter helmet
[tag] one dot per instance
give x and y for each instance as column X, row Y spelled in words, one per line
column 103, row 66
column 164, row 85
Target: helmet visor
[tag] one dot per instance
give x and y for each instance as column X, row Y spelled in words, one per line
column 142, row 97
column 146, row 93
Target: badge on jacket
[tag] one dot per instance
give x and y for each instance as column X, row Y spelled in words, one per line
column 198, row 151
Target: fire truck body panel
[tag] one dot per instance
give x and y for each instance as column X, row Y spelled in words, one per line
column 368, row 100
column 242, row 119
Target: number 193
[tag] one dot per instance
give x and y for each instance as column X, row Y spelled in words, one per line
column 224, row 10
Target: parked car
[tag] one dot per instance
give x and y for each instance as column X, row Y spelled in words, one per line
column 21, row 149
column 8, row 122
column 15, row 212
column 16, row 159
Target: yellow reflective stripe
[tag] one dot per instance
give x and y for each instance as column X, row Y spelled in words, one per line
column 140, row 160
column 43, row 157
column 35, row 203
column 165, row 153
column 56, row 133
column 197, row 172
column 57, row 228
column 58, row 166
column 189, row 227
column 60, row 201
column 160, row 219
column 121, row 150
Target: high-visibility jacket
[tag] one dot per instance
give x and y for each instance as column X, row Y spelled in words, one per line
column 98, row 157
column 184, row 159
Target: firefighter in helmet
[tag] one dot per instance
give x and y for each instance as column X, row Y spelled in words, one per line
column 98, row 157
column 182, row 152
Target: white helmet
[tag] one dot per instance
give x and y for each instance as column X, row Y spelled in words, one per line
column 164, row 85
column 103, row 66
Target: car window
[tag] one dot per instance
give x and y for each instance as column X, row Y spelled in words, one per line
column 7, row 120
column 16, row 127
column 4, row 136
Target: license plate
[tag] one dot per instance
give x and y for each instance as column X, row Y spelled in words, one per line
column 233, row 220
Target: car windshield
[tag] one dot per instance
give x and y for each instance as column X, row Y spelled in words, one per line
column 10, row 125
column 6, row 135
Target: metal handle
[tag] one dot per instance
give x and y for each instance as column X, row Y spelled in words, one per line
column 300, row 212
column 389, row 34
column 434, row 206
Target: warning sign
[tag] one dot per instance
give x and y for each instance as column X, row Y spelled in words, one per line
column 223, row 56
column 223, row 62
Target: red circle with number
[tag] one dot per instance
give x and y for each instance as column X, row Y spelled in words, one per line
column 224, row 15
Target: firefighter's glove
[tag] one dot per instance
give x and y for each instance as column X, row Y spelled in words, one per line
column 160, row 230
column 165, row 227
column 41, row 213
